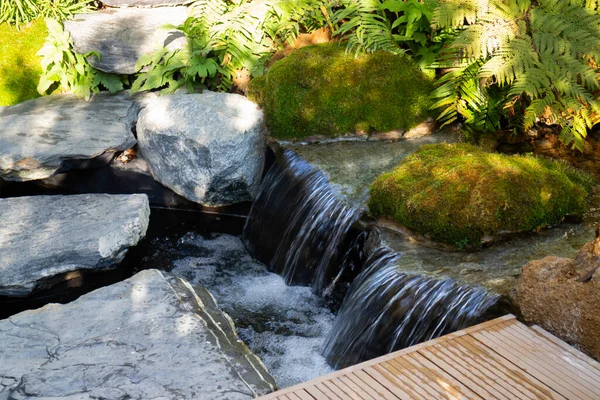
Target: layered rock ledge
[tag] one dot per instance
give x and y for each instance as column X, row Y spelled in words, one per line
column 61, row 132
column 123, row 35
column 44, row 238
column 149, row 337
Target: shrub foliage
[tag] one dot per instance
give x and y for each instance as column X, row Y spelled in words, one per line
column 18, row 12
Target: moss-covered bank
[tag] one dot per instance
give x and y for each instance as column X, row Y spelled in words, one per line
column 20, row 68
column 321, row 90
column 459, row 193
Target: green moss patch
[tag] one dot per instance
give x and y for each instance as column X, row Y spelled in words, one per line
column 20, row 68
column 459, row 193
column 321, row 90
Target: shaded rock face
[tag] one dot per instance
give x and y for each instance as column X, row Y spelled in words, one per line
column 45, row 238
column 144, row 3
column 60, row 132
column 562, row 296
column 151, row 336
column 122, row 36
column 208, row 148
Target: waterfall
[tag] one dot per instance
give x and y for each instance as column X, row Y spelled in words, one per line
column 387, row 310
column 297, row 225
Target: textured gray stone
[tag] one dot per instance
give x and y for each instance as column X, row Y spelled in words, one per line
column 44, row 238
column 123, row 35
column 149, row 337
column 144, row 3
column 55, row 133
column 208, row 148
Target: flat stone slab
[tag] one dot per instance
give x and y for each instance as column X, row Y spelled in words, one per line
column 43, row 238
column 56, row 133
column 144, row 3
column 123, row 35
column 208, row 148
column 149, row 337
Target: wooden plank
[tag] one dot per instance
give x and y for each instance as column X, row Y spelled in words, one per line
column 509, row 373
column 397, row 391
column 401, row 380
column 325, row 390
column 304, row 395
column 558, row 354
column 357, row 381
column 386, row 357
column 554, row 363
column 465, row 363
column 294, row 396
column 517, row 355
column 375, row 386
column 455, row 370
column 357, row 389
column 582, row 356
column 445, row 380
column 421, row 378
column 316, row 393
column 339, row 387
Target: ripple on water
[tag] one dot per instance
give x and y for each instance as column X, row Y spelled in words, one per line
column 284, row 325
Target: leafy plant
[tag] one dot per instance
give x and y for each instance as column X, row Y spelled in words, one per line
column 226, row 40
column 65, row 70
column 521, row 62
column 18, row 12
column 395, row 26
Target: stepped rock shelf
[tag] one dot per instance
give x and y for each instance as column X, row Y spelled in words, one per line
column 44, row 238
column 149, row 337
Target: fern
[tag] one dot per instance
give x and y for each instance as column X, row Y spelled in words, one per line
column 537, row 59
column 64, row 70
column 226, row 39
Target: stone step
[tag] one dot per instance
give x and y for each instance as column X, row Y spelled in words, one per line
column 61, row 132
column 151, row 336
column 123, row 35
column 45, row 239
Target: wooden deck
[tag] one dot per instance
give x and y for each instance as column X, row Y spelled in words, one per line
column 499, row 359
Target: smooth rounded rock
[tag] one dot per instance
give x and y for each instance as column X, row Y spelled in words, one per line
column 208, row 148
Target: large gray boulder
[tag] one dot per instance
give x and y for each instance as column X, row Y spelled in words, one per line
column 56, row 133
column 149, row 337
column 123, row 35
column 43, row 238
column 144, row 3
column 208, row 148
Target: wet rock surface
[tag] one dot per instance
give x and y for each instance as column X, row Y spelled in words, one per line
column 123, row 35
column 61, row 132
column 44, row 239
column 151, row 336
column 562, row 295
column 208, row 148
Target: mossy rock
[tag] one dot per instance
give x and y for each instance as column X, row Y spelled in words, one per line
column 20, row 68
column 458, row 193
column 321, row 90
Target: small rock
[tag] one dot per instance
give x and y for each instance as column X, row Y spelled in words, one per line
column 208, row 148
column 43, row 238
column 149, row 337
column 61, row 132
column 123, row 35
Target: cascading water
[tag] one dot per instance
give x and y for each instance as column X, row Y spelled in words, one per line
column 298, row 225
column 386, row 310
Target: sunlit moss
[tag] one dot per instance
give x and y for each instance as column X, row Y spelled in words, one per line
column 459, row 193
column 19, row 66
column 321, row 90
